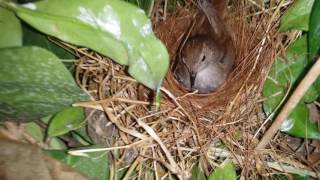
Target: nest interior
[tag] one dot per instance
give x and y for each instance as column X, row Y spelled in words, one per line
column 188, row 125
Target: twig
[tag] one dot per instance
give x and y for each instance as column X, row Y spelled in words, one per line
column 290, row 169
column 81, row 152
column 291, row 104
column 115, row 121
column 165, row 10
column 151, row 8
column 174, row 167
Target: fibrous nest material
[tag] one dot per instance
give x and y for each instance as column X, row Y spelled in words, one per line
column 222, row 125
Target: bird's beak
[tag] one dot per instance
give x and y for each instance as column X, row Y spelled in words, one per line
column 192, row 79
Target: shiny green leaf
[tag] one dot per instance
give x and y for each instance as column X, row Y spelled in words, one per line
column 34, row 84
column 286, row 73
column 225, row 171
column 297, row 16
column 314, row 30
column 67, row 120
column 113, row 28
column 10, row 31
column 197, row 173
column 96, row 166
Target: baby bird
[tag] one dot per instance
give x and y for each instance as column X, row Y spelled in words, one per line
column 206, row 59
column 204, row 65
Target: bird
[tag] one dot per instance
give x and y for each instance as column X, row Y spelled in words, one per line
column 207, row 58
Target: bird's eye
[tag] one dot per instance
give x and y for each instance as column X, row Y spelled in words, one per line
column 203, row 58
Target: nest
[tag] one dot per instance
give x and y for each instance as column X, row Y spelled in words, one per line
column 188, row 126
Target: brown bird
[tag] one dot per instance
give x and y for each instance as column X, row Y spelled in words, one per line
column 206, row 58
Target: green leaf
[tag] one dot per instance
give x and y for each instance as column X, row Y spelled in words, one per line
column 67, row 120
column 35, row 131
column 39, row 135
column 299, row 123
column 314, row 30
column 226, row 171
column 317, row 85
column 297, row 16
column 31, row 37
column 300, row 177
column 82, row 136
column 287, row 73
column 96, row 166
column 34, row 84
column 121, row 172
column 113, row 28
column 197, row 173
column 10, row 31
